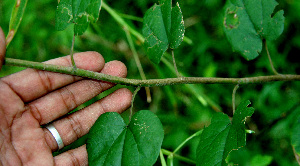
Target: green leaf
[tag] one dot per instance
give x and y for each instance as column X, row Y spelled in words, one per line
column 223, row 136
column 248, row 22
column 176, row 33
column 212, row 141
column 112, row 142
column 163, row 27
column 15, row 19
column 64, row 15
column 79, row 12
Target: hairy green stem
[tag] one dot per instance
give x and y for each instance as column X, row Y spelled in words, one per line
column 149, row 82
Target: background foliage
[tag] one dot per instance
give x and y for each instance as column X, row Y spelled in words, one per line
column 183, row 109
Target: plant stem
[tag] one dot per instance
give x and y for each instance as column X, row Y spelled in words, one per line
column 132, row 100
column 170, row 160
column 130, row 17
column 174, row 62
column 201, row 97
column 270, row 60
column 162, row 159
column 138, row 63
column 149, row 82
column 72, row 52
column 233, row 97
column 189, row 138
column 187, row 160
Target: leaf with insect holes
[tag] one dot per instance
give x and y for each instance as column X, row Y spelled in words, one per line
column 112, row 142
column 222, row 136
column 163, row 27
column 79, row 12
column 247, row 22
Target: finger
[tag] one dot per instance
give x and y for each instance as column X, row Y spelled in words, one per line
column 31, row 84
column 76, row 156
column 78, row 124
column 62, row 101
column 2, row 47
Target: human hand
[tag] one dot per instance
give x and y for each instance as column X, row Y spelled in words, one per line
column 32, row 98
column 2, row 47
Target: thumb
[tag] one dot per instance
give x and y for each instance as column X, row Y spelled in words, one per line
column 2, row 47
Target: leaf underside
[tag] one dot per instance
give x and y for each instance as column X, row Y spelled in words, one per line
column 247, row 22
column 112, row 142
column 222, row 136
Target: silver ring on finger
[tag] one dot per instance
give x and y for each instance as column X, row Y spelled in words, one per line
column 56, row 135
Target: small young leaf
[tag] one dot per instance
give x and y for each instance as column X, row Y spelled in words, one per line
column 162, row 27
column 247, row 22
column 222, row 136
column 79, row 12
column 112, row 142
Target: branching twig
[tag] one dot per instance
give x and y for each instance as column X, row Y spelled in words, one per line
column 149, row 82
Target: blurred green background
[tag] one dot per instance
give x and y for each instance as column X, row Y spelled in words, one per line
column 183, row 109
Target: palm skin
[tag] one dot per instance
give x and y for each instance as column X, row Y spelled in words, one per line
column 30, row 99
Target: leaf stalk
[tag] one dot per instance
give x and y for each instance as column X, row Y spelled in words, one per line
column 270, row 59
column 233, row 97
column 132, row 100
column 72, row 52
column 174, row 62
